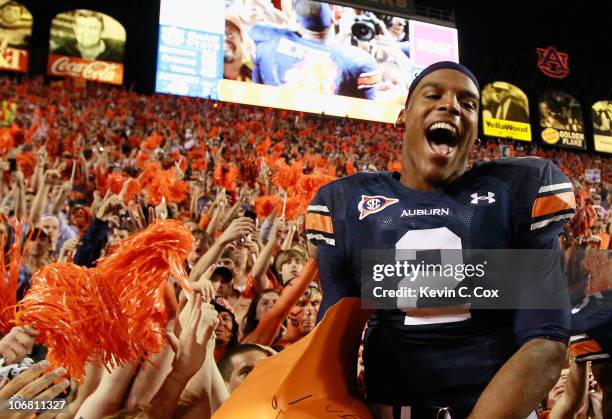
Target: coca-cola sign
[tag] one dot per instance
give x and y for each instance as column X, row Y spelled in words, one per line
column 101, row 71
column 13, row 59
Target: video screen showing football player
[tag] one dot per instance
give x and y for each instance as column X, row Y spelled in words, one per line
column 450, row 360
column 308, row 56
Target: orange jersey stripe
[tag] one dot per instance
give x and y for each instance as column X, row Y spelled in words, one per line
column 318, row 222
column 553, row 203
column 585, row 347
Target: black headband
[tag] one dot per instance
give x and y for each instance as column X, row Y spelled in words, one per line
column 442, row 65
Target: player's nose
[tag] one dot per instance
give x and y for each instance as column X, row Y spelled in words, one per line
column 450, row 103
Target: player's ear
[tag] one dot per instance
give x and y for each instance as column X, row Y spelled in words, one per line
column 400, row 122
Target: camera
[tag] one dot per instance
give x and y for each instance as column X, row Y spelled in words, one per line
column 366, row 26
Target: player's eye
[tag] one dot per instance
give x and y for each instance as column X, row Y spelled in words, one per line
column 470, row 105
column 433, row 96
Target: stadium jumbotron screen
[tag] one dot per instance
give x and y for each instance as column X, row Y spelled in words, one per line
column 324, row 58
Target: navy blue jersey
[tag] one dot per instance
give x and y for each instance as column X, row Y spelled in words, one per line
column 284, row 58
column 512, row 203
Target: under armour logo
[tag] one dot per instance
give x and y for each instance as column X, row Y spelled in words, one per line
column 489, row 198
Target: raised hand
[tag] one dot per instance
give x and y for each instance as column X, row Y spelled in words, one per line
column 18, row 343
column 29, row 385
column 108, row 207
column 68, row 249
column 190, row 346
column 238, row 228
column 161, row 211
column 51, row 176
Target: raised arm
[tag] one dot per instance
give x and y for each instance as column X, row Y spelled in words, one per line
column 270, row 323
column 240, row 227
column 574, row 393
column 190, row 349
column 41, row 196
column 262, row 263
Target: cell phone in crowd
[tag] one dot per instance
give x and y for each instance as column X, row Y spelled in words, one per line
column 12, row 165
column 251, row 214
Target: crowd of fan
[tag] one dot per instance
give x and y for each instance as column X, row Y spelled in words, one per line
column 65, row 162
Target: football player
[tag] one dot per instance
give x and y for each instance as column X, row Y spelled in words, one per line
column 460, row 362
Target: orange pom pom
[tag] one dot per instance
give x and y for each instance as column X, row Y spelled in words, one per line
column 176, row 155
column 114, row 313
column 295, row 207
column 115, row 181
column 6, row 141
column 309, row 185
column 141, row 159
column 167, row 185
column 226, row 176
column 10, row 264
column 152, row 142
column 151, row 171
column 265, row 204
column 262, row 148
column 133, row 189
column 287, row 176
column 199, row 165
column 27, row 163
column 138, row 270
column 304, row 192
column 74, row 319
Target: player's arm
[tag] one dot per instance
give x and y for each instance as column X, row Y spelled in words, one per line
column 328, row 235
column 542, row 333
column 523, row 381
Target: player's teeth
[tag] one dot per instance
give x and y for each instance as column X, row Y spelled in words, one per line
column 442, row 125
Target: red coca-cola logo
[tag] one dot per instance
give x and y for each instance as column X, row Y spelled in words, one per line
column 90, row 70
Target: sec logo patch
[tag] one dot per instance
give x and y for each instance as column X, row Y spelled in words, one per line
column 373, row 204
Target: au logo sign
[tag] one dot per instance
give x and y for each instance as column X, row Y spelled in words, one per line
column 552, row 62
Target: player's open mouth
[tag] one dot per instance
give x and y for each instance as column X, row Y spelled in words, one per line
column 442, row 138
